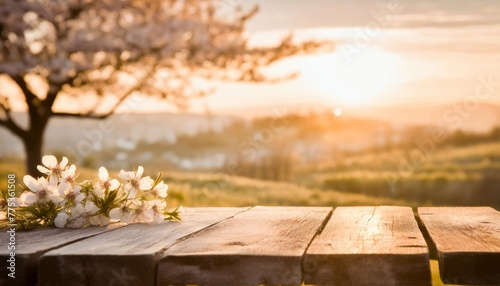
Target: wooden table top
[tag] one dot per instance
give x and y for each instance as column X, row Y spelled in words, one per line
column 380, row 245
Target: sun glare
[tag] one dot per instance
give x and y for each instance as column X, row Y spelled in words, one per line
column 337, row 112
column 358, row 80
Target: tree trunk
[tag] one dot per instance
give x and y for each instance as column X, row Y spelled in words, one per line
column 33, row 143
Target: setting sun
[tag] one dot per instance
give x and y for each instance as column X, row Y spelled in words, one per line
column 360, row 79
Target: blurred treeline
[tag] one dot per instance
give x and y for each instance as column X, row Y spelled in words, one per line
column 326, row 152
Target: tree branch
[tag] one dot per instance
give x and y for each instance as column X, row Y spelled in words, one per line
column 28, row 94
column 9, row 122
column 48, row 102
column 12, row 126
column 91, row 115
column 141, row 83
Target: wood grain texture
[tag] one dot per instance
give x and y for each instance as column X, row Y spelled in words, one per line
column 264, row 245
column 467, row 241
column 126, row 256
column 368, row 246
column 31, row 244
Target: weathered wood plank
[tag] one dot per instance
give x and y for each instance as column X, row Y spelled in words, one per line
column 368, row 246
column 467, row 241
column 264, row 245
column 125, row 256
column 30, row 245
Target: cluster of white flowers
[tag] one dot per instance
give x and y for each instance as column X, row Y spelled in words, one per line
column 97, row 202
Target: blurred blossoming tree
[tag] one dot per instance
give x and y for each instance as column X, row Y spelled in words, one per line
column 102, row 52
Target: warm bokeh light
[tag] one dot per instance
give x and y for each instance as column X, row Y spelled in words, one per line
column 358, row 79
column 337, row 112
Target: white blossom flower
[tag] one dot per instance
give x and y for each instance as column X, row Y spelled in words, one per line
column 83, row 213
column 52, row 168
column 135, row 182
column 160, row 190
column 158, row 207
column 40, row 190
column 75, row 205
column 143, row 213
column 105, row 183
column 69, row 175
column 61, row 219
column 124, row 214
column 99, row 220
column 67, row 193
column 55, row 197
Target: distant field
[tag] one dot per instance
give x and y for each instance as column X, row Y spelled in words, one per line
column 212, row 190
column 449, row 176
column 465, row 175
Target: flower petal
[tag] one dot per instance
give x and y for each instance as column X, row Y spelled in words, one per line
column 99, row 192
column 63, row 189
column 146, row 183
column 90, row 207
column 77, row 210
column 132, row 192
column 49, row 161
column 161, row 188
column 28, row 198
column 79, row 198
column 104, row 220
column 61, row 219
column 56, row 199
column 149, row 213
column 128, row 217
column 43, row 183
column 114, row 184
column 139, row 172
column 68, row 173
column 103, row 174
column 53, row 180
column 116, row 214
column 159, row 205
column 126, row 175
column 64, row 162
column 43, row 170
column 158, row 218
column 77, row 223
column 31, row 183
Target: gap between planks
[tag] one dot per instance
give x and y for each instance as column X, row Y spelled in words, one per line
column 265, row 245
column 369, row 246
column 161, row 253
column 320, row 230
column 467, row 243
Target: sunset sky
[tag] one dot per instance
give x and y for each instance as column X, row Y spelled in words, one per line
column 414, row 52
column 387, row 53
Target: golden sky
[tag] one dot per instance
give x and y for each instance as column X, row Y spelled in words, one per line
column 397, row 52
column 388, row 53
